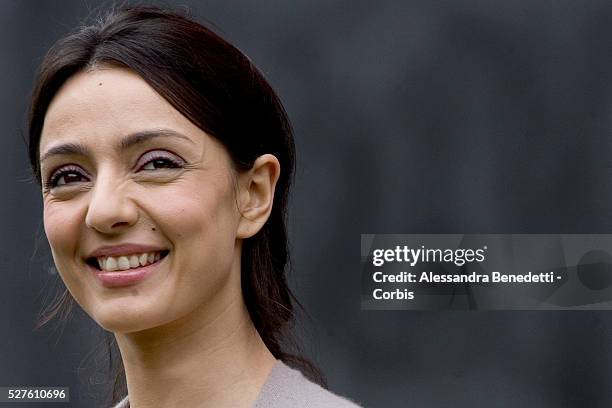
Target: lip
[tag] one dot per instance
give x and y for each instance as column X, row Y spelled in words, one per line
column 124, row 249
column 128, row 277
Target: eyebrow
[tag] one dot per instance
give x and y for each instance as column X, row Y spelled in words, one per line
column 125, row 143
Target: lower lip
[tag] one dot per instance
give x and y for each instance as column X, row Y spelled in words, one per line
column 125, row 278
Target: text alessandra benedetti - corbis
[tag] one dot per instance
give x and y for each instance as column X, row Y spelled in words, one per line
column 493, row 277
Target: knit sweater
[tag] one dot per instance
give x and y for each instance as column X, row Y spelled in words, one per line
column 288, row 388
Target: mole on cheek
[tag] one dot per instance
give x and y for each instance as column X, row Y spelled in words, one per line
column 100, row 84
column 153, row 228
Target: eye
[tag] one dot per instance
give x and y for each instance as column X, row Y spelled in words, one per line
column 158, row 160
column 64, row 176
column 159, row 163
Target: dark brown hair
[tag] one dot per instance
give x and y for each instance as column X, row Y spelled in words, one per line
column 218, row 88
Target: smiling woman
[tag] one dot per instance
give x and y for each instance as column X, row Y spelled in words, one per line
column 165, row 160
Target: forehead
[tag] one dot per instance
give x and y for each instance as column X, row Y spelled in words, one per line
column 104, row 104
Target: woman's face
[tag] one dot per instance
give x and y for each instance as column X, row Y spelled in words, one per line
column 126, row 168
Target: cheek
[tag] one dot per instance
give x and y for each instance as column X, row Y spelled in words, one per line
column 201, row 223
column 197, row 210
column 61, row 223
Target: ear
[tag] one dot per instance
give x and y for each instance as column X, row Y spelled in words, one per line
column 256, row 194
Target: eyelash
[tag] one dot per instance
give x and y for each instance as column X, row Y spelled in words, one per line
column 71, row 169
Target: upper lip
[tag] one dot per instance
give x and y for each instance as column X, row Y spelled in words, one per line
column 124, row 249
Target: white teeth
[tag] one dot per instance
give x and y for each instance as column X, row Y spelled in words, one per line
column 126, row 262
column 134, row 261
column 123, row 263
column 143, row 259
column 111, row 264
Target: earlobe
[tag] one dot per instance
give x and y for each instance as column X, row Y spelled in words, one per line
column 257, row 194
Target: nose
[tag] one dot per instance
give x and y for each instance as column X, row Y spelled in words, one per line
column 110, row 209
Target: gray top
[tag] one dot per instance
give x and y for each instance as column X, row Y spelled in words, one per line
column 288, row 388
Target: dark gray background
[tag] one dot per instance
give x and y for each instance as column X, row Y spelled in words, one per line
column 410, row 117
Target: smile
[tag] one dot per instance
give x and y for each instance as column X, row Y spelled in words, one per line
column 126, row 262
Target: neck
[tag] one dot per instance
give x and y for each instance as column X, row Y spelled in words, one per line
column 214, row 361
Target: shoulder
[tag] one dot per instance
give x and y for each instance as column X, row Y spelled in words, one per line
column 288, row 388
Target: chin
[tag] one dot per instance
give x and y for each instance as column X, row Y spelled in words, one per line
column 126, row 319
